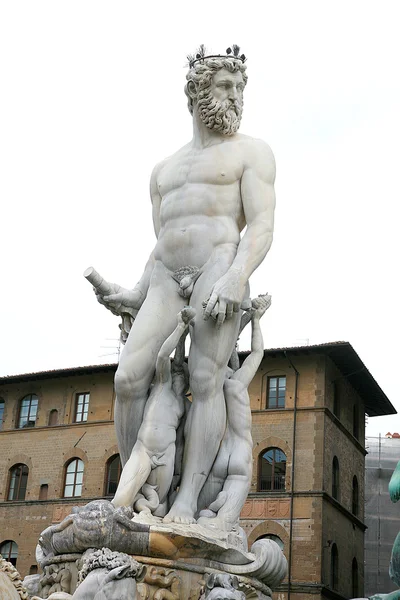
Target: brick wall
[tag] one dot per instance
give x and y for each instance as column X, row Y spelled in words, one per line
column 319, row 437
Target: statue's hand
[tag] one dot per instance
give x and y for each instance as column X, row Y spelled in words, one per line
column 186, row 315
column 260, row 305
column 225, row 299
column 121, row 300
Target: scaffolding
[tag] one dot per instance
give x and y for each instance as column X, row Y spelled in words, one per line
column 382, row 517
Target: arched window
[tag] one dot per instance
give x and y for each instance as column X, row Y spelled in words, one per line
column 18, row 482
column 335, row 478
column 354, row 578
column 53, row 417
column 113, row 474
column 73, row 478
column 354, row 501
column 28, row 411
column 334, row 567
column 43, row 492
column 272, row 470
column 2, row 404
column 33, row 569
column 9, row 551
column 356, row 428
column 273, row 537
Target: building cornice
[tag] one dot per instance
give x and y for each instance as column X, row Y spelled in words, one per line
column 312, row 494
column 323, row 409
column 308, row 587
column 20, row 430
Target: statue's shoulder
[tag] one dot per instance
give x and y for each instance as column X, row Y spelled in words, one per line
column 257, row 155
column 169, row 159
column 255, row 148
column 157, row 169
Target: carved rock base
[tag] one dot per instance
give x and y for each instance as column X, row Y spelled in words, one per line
column 178, row 580
column 11, row 587
column 181, row 561
column 167, row 579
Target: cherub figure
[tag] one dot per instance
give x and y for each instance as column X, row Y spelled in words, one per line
column 153, row 460
column 222, row 587
column 228, row 484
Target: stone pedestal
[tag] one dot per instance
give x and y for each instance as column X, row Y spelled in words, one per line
column 179, row 579
column 98, row 545
column 173, row 580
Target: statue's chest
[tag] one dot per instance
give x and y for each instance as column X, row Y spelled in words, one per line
column 212, row 167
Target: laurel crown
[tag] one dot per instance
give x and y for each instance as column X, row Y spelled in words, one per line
column 231, row 52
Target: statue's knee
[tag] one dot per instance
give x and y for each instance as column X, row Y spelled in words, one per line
column 126, row 385
column 200, row 383
column 205, row 382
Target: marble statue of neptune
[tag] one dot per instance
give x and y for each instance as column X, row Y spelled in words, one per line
column 203, row 197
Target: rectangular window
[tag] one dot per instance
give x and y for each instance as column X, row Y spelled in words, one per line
column 81, row 407
column 28, row 411
column 276, row 392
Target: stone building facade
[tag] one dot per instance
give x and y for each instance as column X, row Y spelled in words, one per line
column 58, row 449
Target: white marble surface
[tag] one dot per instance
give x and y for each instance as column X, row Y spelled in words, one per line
column 203, row 197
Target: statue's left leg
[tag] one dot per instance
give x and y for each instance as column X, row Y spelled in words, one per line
column 210, row 351
column 161, row 476
column 229, row 503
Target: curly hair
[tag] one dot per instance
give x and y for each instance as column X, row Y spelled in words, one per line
column 200, row 75
column 8, row 569
column 106, row 559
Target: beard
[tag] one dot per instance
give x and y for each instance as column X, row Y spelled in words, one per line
column 223, row 117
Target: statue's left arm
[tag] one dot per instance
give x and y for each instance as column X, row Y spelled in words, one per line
column 163, row 363
column 250, row 365
column 258, row 199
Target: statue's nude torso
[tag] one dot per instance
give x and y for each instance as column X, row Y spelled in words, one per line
column 203, row 197
column 201, row 207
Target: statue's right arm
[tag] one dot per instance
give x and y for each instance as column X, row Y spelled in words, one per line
column 135, row 297
column 144, row 283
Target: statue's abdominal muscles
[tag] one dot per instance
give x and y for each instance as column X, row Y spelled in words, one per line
column 198, row 214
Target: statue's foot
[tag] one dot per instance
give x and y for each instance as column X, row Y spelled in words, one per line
column 207, row 513
column 214, row 522
column 180, row 513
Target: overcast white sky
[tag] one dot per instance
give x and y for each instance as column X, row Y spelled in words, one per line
column 92, row 97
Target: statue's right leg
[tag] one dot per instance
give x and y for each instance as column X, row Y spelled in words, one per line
column 154, row 323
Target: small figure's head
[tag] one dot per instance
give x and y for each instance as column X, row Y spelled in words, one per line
column 223, row 587
column 215, row 89
column 224, row 594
